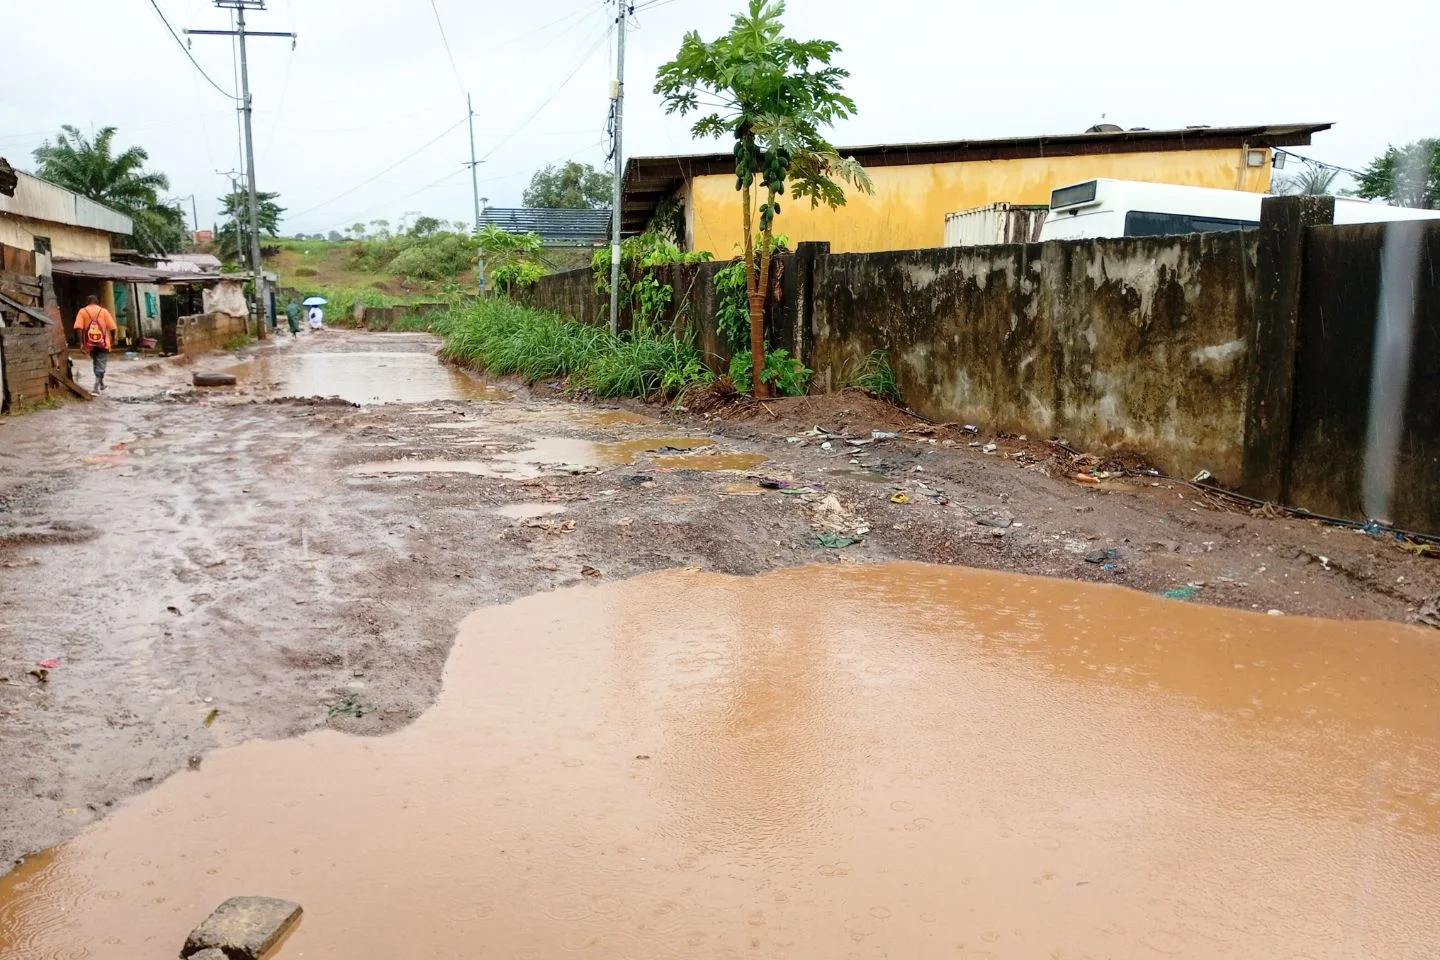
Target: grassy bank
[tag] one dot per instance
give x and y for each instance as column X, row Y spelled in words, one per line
column 506, row 338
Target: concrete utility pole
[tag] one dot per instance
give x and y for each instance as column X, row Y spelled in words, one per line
column 257, row 265
column 625, row 9
column 474, row 164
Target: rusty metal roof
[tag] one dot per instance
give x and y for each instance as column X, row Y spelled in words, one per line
column 556, row 226
column 128, row 273
column 648, row 180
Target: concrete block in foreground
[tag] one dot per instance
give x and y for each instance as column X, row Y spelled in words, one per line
column 212, row 953
column 241, row 928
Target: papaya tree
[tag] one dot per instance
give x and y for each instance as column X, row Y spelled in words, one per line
column 773, row 95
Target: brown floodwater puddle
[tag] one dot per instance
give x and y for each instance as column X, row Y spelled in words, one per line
column 710, row 460
column 364, row 377
column 859, row 761
column 588, row 453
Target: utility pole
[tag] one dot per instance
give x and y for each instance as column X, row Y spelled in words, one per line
column 625, row 9
column 474, row 164
column 256, row 263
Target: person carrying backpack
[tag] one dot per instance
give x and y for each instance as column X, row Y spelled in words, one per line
column 96, row 327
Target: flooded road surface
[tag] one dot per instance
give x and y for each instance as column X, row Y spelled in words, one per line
column 364, row 377
column 831, row 762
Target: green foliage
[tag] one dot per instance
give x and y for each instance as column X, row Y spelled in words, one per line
column 434, row 256
column 504, row 337
column 511, row 259
column 92, row 169
column 237, row 341
column 233, row 240
column 732, row 310
column 773, row 95
column 1407, row 176
column 1310, row 180
column 875, row 376
column 641, row 292
column 574, row 185
column 784, row 373
column 424, row 226
column 341, row 310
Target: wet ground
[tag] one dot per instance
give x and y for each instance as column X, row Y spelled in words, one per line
column 1038, row 768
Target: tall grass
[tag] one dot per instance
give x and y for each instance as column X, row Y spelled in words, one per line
column 505, row 338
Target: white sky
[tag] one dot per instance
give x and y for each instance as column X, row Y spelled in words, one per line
column 370, row 82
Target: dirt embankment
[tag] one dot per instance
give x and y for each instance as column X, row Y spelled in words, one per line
column 210, row 568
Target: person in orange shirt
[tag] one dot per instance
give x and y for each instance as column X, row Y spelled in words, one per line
column 96, row 328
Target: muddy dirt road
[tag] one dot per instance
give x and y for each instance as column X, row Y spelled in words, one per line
column 232, row 565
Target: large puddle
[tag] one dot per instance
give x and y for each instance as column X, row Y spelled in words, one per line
column 364, row 377
column 887, row 761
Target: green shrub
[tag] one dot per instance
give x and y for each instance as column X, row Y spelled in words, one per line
column 732, row 308
column 306, row 272
column 874, row 375
column 785, row 374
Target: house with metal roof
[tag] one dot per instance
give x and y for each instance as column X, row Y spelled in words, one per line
column 556, row 227
column 918, row 184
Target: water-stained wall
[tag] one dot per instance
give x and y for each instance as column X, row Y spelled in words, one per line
column 1129, row 343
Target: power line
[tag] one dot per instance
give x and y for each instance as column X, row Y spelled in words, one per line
column 1319, row 163
column 584, row 58
column 186, row 50
column 370, row 180
column 587, row 9
column 446, row 40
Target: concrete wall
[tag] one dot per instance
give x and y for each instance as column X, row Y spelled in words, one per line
column 66, row 242
column 1334, row 459
column 1135, row 343
column 203, row 332
column 909, row 205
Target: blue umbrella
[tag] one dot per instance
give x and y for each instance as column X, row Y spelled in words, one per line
column 315, row 301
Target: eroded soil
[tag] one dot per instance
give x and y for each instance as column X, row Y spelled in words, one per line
column 215, row 567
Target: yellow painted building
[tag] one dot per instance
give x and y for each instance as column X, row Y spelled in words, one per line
column 917, row 185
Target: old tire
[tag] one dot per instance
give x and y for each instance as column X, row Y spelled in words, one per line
column 213, row 379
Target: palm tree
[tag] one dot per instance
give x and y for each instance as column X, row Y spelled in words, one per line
column 91, row 169
column 1310, row 180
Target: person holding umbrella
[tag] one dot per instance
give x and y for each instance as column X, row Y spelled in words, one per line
column 317, row 315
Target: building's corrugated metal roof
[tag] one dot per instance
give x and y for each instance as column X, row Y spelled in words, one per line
column 556, row 227
column 648, row 180
column 129, row 273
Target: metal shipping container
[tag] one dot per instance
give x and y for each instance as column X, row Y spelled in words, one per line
column 995, row 223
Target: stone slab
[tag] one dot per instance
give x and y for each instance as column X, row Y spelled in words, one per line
column 242, row 928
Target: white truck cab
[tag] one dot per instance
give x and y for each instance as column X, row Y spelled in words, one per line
column 1133, row 208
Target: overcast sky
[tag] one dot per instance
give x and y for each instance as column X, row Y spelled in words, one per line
column 370, row 82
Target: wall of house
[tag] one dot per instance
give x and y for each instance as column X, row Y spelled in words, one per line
column 66, row 242
column 907, row 210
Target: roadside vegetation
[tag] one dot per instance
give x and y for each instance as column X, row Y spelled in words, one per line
column 502, row 337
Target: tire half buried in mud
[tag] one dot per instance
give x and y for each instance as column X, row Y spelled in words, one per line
column 213, row 379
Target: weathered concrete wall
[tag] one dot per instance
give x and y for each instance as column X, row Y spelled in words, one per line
column 203, row 332
column 26, row 352
column 570, row 294
column 1337, row 385
column 1135, row 343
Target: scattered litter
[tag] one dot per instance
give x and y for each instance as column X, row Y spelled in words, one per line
column 884, row 435
column 589, row 571
column 48, row 664
column 1086, row 478
column 1429, row 613
column 860, row 443
column 1275, row 613
column 211, row 717
column 826, row 445
column 970, row 428
column 989, row 448
column 1188, row 592
column 835, row 541
column 41, row 675
column 1202, row 477
column 173, row 609
column 900, row 497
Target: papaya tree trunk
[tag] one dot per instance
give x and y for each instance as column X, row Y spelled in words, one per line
column 757, row 307
column 755, row 298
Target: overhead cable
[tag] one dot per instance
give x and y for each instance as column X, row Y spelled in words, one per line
column 186, row 50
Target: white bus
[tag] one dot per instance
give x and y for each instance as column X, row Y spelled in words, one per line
column 1133, row 208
